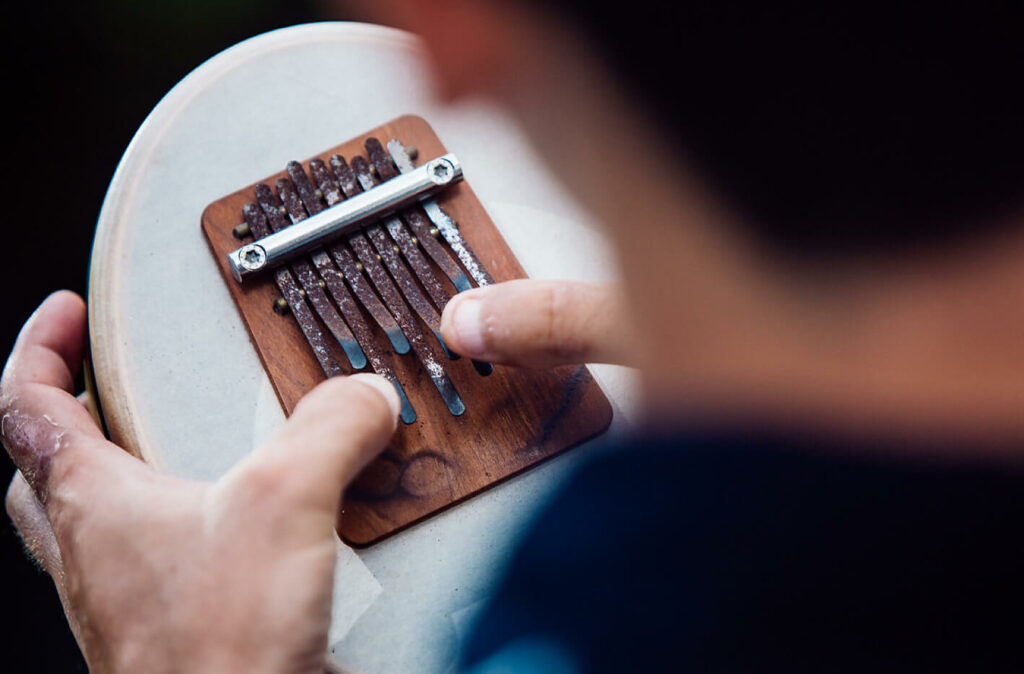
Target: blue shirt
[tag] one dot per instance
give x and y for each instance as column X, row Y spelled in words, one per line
column 756, row 553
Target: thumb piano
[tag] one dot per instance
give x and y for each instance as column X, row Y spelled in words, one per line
column 369, row 299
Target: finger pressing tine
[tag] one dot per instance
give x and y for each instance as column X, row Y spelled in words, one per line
column 539, row 324
column 334, row 431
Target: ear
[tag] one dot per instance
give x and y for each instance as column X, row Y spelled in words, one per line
column 475, row 45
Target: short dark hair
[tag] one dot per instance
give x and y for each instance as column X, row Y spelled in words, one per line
column 832, row 126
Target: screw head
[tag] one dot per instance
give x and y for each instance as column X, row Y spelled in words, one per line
column 441, row 171
column 252, row 257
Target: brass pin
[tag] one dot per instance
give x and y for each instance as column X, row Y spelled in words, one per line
column 435, row 232
column 412, row 151
column 242, row 231
column 302, row 293
column 377, row 255
column 281, row 306
column 396, row 249
column 284, row 211
column 359, row 267
column 322, row 283
column 319, row 193
column 415, row 241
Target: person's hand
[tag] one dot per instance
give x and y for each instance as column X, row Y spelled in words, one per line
column 159, row 574
column 539, row 324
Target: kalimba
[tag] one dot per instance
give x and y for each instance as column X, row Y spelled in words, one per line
column 194, row 369
column 362, row 287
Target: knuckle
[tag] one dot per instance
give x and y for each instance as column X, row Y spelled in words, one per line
column 260, row 480
column 67, row 483
column 562, row 339
column 65, row 466
column 500, row 331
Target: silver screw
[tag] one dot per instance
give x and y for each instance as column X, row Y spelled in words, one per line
column 252, row 257
column 441, row 171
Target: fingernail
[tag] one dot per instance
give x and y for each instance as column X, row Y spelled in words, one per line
column 468, row 326
column 384, row 386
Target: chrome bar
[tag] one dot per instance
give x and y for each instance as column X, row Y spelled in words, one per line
column 348, row 215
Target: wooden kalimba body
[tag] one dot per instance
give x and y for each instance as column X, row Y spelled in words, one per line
column 194, row 369
column 371, row 299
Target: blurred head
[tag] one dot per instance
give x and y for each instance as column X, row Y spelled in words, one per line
column 818, row 208
column 829, row 128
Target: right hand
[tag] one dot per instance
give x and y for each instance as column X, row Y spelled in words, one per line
column 539, row 324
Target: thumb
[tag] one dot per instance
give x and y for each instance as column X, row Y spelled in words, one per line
column 538, row 324
column 334, row 431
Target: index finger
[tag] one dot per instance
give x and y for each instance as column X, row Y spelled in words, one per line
column 39, row 415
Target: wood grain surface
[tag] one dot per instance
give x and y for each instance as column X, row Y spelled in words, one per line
column 514, row 418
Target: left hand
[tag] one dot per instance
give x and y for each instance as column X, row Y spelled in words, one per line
column 160, row 574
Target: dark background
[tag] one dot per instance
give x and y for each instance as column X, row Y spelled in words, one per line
column 80, row 79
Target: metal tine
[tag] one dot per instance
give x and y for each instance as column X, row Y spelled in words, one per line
column 386, row 170
column 293, row 296
column 298, row 203
column 388, row 252
column 445, row 225
column 417, row 222
column 389, row 292
column 272, row 208
column 331, row 277
column 298, row 196
column 351, row 269
column 397, row 229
